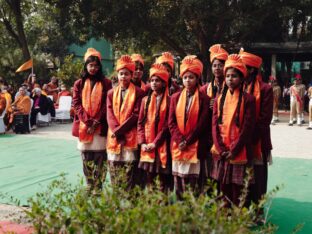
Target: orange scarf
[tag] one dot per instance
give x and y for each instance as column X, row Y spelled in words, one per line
column 228, row 129
column 257, row 94
column 122, row 112
column 91, row 103
column 189, row 154
column 143, row 86
column 209, row 88
column 150, row 133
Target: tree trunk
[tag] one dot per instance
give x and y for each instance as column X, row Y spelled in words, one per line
column 15, row 6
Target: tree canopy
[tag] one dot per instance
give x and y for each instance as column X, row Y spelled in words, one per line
column 45, row 28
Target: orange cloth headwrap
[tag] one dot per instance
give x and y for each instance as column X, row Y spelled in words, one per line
column 191, row 63
column 217, row 52
column 235, row 61
column 160, row 71
column 166, row 57
column 125, row 61
column 250, row 59
column 92, row 52
column 137, row 58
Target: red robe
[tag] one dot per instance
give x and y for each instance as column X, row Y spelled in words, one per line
column 202, row 130
column 120, row 130
column 81, row 115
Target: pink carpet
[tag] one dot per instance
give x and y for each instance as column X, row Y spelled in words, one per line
column 10, row 227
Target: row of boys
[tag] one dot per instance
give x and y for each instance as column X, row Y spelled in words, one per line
column 215, row 131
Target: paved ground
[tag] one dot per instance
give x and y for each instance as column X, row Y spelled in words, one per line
column 291, row 167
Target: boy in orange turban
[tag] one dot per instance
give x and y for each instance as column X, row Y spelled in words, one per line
column 123, row 106
column 90, row 124
column 261, row 137
column 138, row 73
column 189, row 125
column 232, row 127
column 217, row 59
column 153, row 131
column 167, row 60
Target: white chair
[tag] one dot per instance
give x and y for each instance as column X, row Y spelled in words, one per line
column 63, row 111
column 43, row 118
column 2, row 126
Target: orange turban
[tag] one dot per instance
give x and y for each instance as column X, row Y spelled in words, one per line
column 191, row 63
column 160, row 71
column 92, row 52
column 166, row 57
column 137, row 58
column 216, row 52
column 125, row 61
column 250, row 59
column 235, row 61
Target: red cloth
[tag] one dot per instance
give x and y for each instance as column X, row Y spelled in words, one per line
column 10, row 227
column 262, row 128
column 81, row 115
column 202, row 130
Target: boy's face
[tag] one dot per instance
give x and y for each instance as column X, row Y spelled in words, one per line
column 138, row 73
column 232, row 79
column 124, row 77
column 189, row 80
column 217, row 68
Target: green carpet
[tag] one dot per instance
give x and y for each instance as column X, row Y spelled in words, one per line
column 28, row 164
column 293, row 203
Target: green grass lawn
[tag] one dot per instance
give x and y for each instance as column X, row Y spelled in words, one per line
column 29, row 163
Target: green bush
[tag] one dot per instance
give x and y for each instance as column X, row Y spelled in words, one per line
column 68, row 208
column 70, row 70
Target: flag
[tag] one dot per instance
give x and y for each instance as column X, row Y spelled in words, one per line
column 25, row 66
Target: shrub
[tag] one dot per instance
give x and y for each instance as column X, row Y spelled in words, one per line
column 68, row 208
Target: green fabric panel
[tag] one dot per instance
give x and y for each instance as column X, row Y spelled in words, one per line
column 103, row 46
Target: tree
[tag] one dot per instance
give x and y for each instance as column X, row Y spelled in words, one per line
column 11, row 17
column 188, row 26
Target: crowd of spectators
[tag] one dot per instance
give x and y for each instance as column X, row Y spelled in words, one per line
column 23, row 104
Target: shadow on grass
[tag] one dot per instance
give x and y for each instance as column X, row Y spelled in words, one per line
column 288, row 214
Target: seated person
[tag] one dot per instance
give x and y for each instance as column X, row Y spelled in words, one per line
column 27, row 93
column 63, row 92
column 2, row 103
column 41, row 104
column 21, row 106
